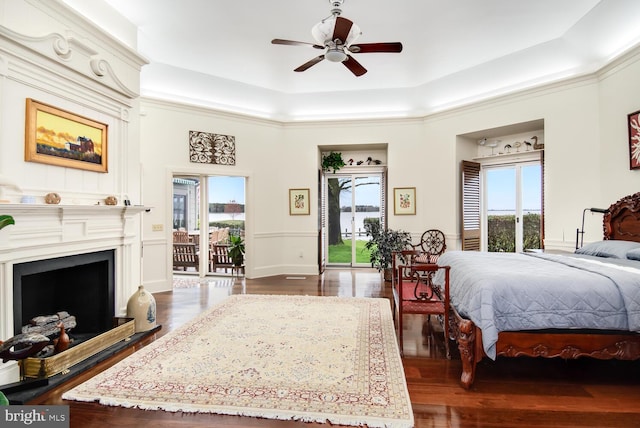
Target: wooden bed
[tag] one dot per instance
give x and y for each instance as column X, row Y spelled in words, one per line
column 621, row 222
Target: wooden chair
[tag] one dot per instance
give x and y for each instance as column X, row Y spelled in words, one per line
column 181, row 236
column 219, row 257
column 223, row 235
column 432, row 245
column 184, row 255
column 415, row 293
column 400, row 258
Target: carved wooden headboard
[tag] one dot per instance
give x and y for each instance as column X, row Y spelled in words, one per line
column 622, row 221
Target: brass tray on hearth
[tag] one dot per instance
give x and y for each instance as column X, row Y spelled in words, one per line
column 46, row 367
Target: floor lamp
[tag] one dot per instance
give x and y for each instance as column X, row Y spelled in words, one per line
column 580, row 232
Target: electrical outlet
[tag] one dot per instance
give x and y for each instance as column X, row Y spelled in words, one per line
column 157, row 227
column 301, row 255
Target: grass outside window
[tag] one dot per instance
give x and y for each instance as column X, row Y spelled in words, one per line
column 341, row 253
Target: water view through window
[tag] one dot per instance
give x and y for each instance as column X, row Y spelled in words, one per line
column 352, row 200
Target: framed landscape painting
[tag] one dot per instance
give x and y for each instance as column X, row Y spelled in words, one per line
column 299, row 202
column 404, row 200
column 61, row 138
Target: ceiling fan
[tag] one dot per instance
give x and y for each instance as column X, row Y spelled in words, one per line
column 336, row 35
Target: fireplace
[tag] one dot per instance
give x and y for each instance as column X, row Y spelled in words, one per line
column 82, row 284
column 94, row 253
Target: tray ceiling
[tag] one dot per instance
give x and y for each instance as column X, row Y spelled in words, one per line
column 219, row 53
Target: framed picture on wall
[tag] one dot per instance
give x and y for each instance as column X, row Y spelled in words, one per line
column 61, row 138
column 404, row 200
column 299, row 202
column 633, row 122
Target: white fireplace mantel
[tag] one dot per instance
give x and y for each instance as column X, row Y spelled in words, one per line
column 13, row 209
column 42, row 230
column 48, row 231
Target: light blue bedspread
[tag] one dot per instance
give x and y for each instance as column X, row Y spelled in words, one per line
column 511, row 292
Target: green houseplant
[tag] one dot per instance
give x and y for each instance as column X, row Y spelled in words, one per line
column 332, row 161
column 6, row 220
column 236, row 249
column 383, row 243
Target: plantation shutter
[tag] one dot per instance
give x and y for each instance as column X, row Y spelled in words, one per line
column 470, row 206
column 383, row 202
column 322, row 220
column 542, row 202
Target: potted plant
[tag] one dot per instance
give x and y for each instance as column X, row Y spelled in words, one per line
column 236, row 249
column 332, row 161
column 6, row 220
column 383, row 243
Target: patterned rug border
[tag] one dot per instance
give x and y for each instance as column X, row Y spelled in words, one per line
column 384, row 391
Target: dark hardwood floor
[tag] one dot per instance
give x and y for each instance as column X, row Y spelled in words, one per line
column 506, row 393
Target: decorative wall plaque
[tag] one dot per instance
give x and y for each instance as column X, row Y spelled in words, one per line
column 205, row 147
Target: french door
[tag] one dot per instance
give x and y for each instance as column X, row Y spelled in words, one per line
column 209, row 209
column 512, row 199
column 351, row 201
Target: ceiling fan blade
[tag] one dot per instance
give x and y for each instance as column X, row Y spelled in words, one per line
column 341, row 29
column 294, row 43
column 310, row 63
column 394, row 47
column 353, row 65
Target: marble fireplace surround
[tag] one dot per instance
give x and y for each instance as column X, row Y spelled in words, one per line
column 50, row 231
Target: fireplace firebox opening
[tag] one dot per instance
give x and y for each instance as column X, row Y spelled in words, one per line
column 81, row 284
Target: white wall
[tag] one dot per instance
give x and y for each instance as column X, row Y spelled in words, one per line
column 571, row 148
column 586, row 163
column 619, row 95
column 261, row 156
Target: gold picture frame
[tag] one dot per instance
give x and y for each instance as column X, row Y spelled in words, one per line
column 299, row 202
column 57, row 137
column 404, row 200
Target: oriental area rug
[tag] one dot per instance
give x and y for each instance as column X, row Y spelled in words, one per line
column 314, row 359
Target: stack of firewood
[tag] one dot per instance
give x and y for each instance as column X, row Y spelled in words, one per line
column 49, row 325
column 54, row 327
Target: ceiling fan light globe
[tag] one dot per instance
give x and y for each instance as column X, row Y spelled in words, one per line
column 323, row 31
column 335, row 55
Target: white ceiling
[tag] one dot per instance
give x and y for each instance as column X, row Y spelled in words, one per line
column 219, row 53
